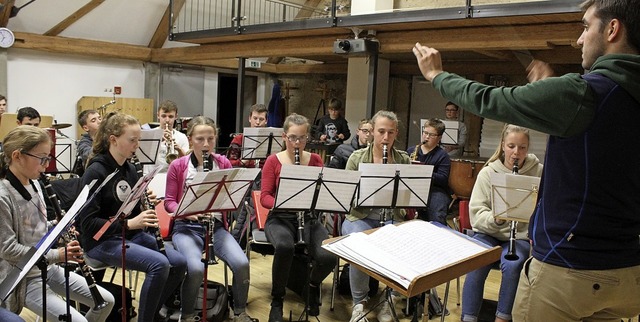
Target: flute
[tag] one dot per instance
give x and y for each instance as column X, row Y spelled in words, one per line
column 511, row 252
column 98, row 301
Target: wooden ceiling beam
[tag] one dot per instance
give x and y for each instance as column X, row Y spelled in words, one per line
column 162, row 31
column 72, row 18
column 7, row 5
column 84, row 47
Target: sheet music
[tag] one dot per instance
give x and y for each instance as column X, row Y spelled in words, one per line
column 137, row 192
column 513, row 196
column 232, row 185
column 406, row 251
column 450, row 135
column 149, row 146
column 297, row 186
column 376, row 185
column 255, row 142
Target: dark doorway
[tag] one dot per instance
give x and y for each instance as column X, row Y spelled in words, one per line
column 227, row 102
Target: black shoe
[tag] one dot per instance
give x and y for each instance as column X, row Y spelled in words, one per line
column 275, row 315
column 314, row 300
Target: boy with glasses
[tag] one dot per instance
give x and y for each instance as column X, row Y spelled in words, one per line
column 451, row 114
column 361, row 140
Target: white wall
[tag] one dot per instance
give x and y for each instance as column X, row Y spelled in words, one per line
column 53, row 83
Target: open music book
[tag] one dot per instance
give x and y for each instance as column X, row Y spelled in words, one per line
column 406, row 252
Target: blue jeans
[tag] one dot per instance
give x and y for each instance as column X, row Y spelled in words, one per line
column 8, row 316
column 163, row 273
column 56, row 306
column 474, row 282
column 437, row 207
column 359, row 280
column 282, row 231
column 188, row 238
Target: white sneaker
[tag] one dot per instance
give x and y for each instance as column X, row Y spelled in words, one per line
column 358, row 314
column 384, row 315
column 243, row 317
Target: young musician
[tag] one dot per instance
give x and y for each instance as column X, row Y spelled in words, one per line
column 23, row 223
column 360, row 141
column 167, row 115
column 385, row 130
column 281, row 228
column 512, row 151
column 429, row 152
column 189, row 233
column 257, row 118
column 115, row 142
column 89, row 120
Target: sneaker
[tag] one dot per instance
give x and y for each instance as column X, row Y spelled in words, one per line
column 243, row 317
column 314, row 301
column 358, row 314
column 192, row 318
column 384, row 315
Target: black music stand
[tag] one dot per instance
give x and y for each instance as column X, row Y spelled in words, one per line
column 35, row 255
column 137, row 193
column 315, row 189
column 389, row 186
column 149, row 146
column 260, row 142
column 215, row 191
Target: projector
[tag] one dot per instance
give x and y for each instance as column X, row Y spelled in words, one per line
column 355, row 46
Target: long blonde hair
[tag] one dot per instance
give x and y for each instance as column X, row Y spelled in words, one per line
column 113, row 124
column 506, row 130
column 22, row 138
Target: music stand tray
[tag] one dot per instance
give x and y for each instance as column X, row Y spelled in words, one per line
column 513, row 197
column 217, row 190
column 394, row 185
column 260, row 142
column 316, row 188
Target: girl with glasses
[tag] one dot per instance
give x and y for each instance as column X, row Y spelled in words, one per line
column 23, row 223
column 189, row 233
column 281, row 227
column 116, row 141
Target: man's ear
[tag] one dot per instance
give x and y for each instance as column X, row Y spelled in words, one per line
column 85, row 128
column 614, row 29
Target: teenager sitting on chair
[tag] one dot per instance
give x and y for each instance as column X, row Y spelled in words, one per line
column 115, row 142
column 189, row 233
column 23, row 223
column 281, row 227
column 385, row 130
column 513, row 147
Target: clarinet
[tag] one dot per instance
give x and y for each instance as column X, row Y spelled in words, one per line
column 98, row 301
column 511, row 252
column 209, row 220
column 385, row 160
column 296, row 158
column 146, row 205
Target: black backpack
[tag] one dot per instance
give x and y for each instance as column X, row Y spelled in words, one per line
column 218, row 302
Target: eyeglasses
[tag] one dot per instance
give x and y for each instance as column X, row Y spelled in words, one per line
column 450, row 110
column 43, row 160
column 365, row 131
column 294, row 139
column 428, row 134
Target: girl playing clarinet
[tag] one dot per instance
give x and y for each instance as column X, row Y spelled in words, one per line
column 189, row 232
column 281, row 227
column 23, row 223
column 115, row 142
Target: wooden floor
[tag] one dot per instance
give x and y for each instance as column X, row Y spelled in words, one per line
column 259, row 298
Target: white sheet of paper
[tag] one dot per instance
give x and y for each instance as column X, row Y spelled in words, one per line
column 137, row 192
column 255, row 142
column 233, row 184
column 405, row 251
column 450, row 135
column 376, row 185
column 297, row 186
column 149, row 146
column 513, row 196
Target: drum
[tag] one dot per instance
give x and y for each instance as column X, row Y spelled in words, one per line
column 463, row 175
column 52, row 168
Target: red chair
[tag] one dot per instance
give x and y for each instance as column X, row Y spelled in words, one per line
column 165, row 221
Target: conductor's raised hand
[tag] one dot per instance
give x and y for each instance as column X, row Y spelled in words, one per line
column 429, row 61
column 146, row 218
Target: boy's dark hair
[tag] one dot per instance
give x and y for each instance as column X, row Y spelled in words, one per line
column 29, row 112
column 82, row 117
column 335, row 104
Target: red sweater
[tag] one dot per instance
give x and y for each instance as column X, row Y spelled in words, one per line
column 271, row 174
